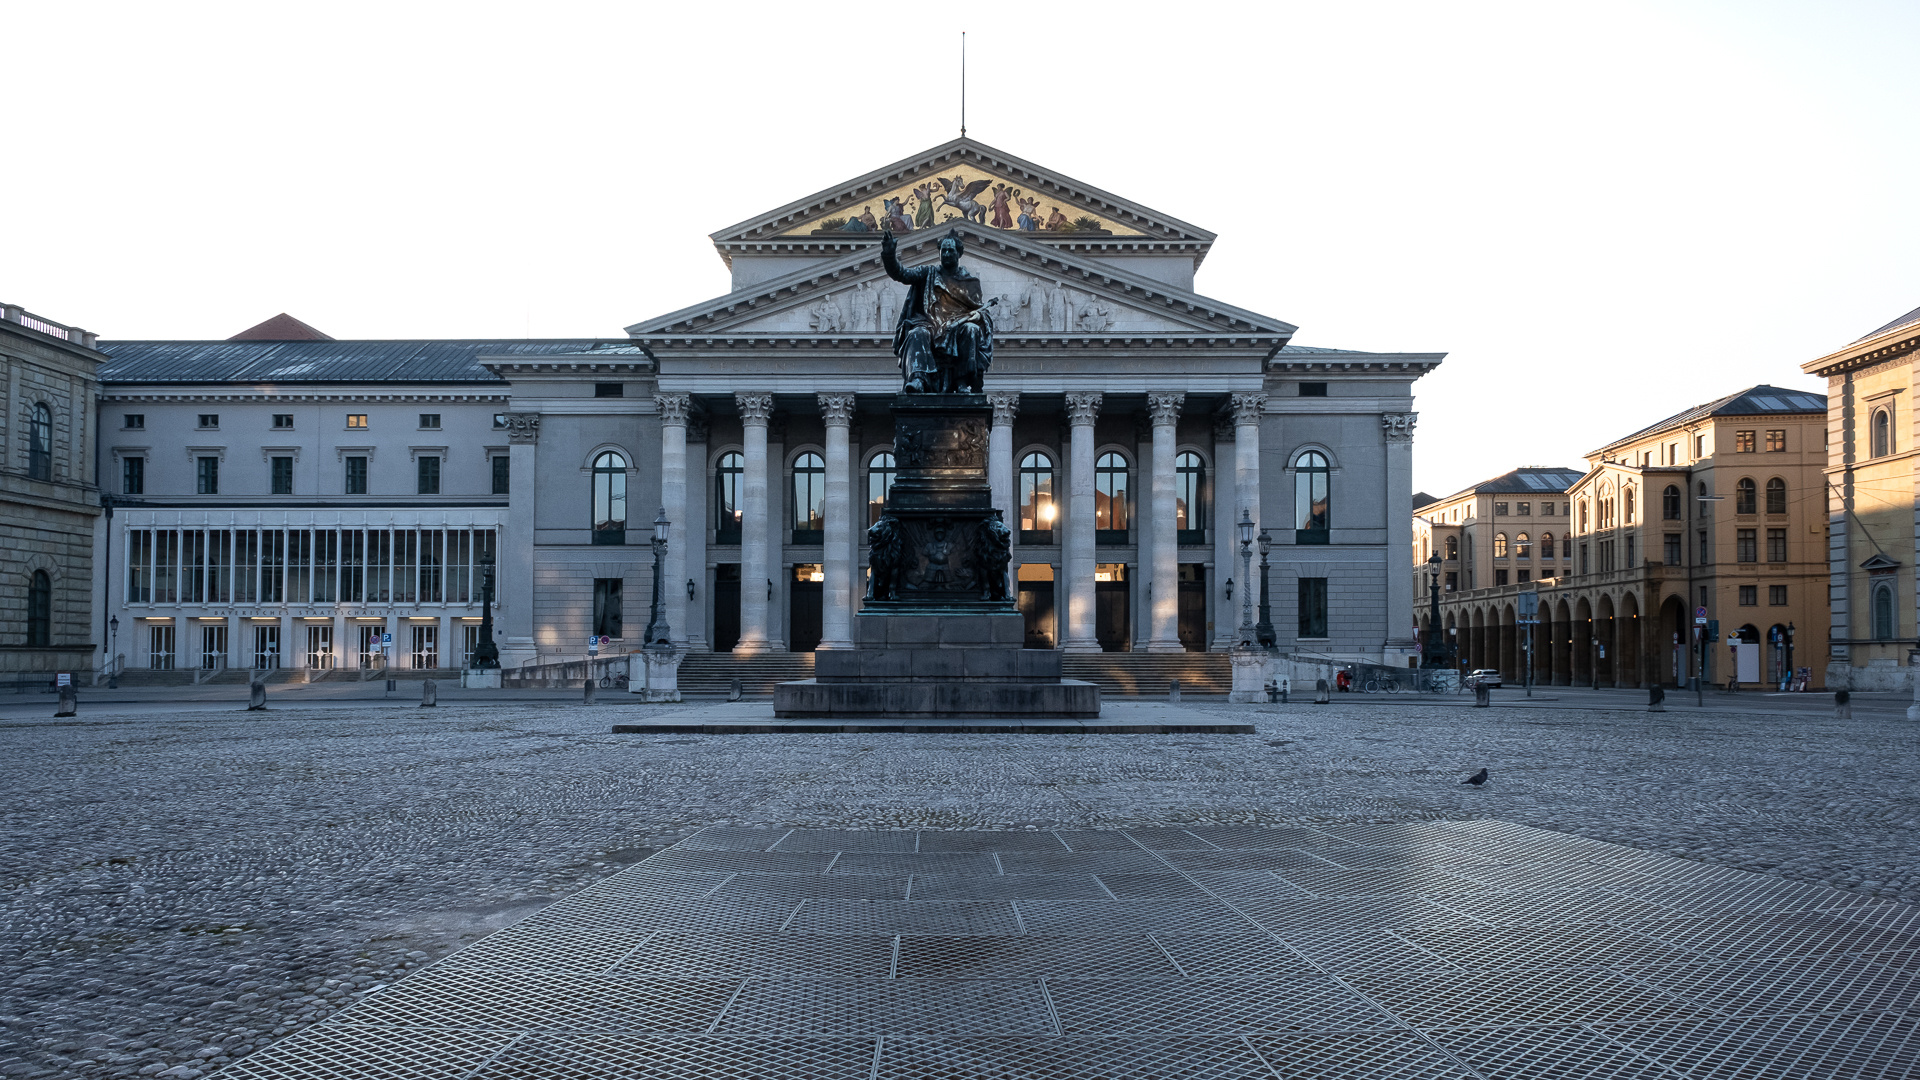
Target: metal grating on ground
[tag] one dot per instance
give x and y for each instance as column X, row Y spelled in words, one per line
column 1411, row 951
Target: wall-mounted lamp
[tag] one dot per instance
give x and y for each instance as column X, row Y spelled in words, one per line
column 689, row 588
column 1229, row 590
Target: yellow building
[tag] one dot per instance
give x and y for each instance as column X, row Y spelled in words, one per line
column 1872, row 435
column 1718, row 507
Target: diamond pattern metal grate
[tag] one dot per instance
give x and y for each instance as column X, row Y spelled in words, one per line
column 1400, row 951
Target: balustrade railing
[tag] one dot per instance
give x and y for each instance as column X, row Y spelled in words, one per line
column 18, row 315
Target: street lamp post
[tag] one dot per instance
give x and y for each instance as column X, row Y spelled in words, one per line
column 113, row 653
column 1433, row 646
column 658, row 632
column 1246, row 574
column 1263, row 630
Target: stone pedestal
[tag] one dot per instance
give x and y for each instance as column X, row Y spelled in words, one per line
column 939, row 635
column 660, row 674
column 480, row 679
column 1249, row 676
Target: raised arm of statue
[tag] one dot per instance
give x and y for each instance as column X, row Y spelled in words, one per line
column 890, row 259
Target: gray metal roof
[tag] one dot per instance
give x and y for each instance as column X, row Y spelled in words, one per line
column 1910, row 317
column 1753, row 401
column 1318, row 350
column 1528, row 481
column 325, row 361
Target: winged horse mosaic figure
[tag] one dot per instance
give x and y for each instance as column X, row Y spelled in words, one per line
column 960, row 196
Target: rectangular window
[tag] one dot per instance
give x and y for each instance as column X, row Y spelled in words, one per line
column 283, row 419
column 1777, row 595
column 353, row 566
column 1776, row 545
column 209, row 420
column 207, row 476
column 273, row 561
column 379, row 560
column 499, row 420
column 609, row 389
column 1706, row 549
column 1313, row 389
column 1523, row 509
column 246, row 566
column 283, row 476
column 459, row 556
column 1749, row 595
column 1525, row 575
column 502, row 473
column 1631, row 553
column 1776, row 441
column 1672, row 552
column 1499, row 509
column 134, row 421
column 220, row 566
column 1586, row 563
column 356, row 476
column 139, row 566
column 1499, row 577
column 1743, row 442
column 166, row 566
column 299, row 566
column 1745, row 546
column 429, row 476
column 433, row 563
column 326, row 557
column 1453, row 581
column 430, row 421
column 1313, row 607
column 357, row 420
column 406, row 559
column 606, row 607
column 1699, row 446
column 133, row 476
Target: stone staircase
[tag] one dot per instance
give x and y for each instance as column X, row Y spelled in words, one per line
column 707, row 674
column 1130, row 674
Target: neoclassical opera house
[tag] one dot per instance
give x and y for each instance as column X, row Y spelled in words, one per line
column 285, row 499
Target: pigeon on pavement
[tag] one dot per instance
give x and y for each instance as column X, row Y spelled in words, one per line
column 1477, row 778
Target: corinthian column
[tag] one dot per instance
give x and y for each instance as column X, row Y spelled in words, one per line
column 755, row 410
column 1000, row 455
column 836, row 615
column 1082, row 410
column 673, row 498
column 1164, row 409
column 1247, row 409
column 1398, row 430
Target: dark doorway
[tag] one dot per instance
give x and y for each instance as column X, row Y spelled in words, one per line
column 1110, row 606
column 804, row 598
column 1036, row 604
column 726, row 607
column 1193, row 606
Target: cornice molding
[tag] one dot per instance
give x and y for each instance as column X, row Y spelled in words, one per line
column 284, row 398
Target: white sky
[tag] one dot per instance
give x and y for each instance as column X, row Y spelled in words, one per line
column 1604, row 213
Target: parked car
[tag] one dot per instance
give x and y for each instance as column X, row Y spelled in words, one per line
column 1487, row 677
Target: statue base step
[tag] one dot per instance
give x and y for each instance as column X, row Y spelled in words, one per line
column 899, row 699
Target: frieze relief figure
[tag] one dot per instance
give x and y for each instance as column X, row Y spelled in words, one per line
column 944, row 340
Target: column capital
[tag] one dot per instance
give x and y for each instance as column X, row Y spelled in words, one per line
column 1164, row 407
column 755, row 409
column 836, row 409
column 673, row 408
column 523, row 427
column 1083, row 409
column 1398, row 426
column 1005, row 405
column 1247, row 407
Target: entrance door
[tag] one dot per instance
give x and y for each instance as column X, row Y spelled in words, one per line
column 370, row 653
column 426, row 647
column 213, row 646
column 160, row 648
column 1035, row 599
column 1193, row 606
column 266, row 646
column 726, row 607
column 1110, row 606
column 805, row 596
column 320, row 647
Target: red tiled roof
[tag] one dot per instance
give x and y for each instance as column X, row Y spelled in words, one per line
column 282, row 327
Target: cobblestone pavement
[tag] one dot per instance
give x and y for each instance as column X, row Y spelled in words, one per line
column 182, row 889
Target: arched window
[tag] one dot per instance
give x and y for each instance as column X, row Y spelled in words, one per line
column 1883, row 622
column 1499, row 545
column 1882, row 433
column 40, row 611
column 1312, row 498
column 1670, row 503
column 879, row 481
column 1546, row 545
column 1776, row 496
column 1706, row 508
column 809, row 499
column 1036, row 499
column 1603, row 507
column 1110, row 499
column 726, row 498
column 1743, row 493
column 1453, row 548
column 1626, row 505
column 1522, row 547
column 40, row 448
column 1189, row 497
column 609, row 498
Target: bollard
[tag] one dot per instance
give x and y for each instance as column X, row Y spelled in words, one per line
column 1842, row 705
column 734, row 693
column 429, row 695
column 1657, row 699
column 1482, row 696
column 1173, row 691
column 256, row 695
column 69, row 702
column 392, row 685
column 1320, row 695
column 592, row 687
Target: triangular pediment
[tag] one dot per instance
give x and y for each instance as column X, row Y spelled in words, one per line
column 1879, row 563
column 1033, row 289
column 963, row 181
